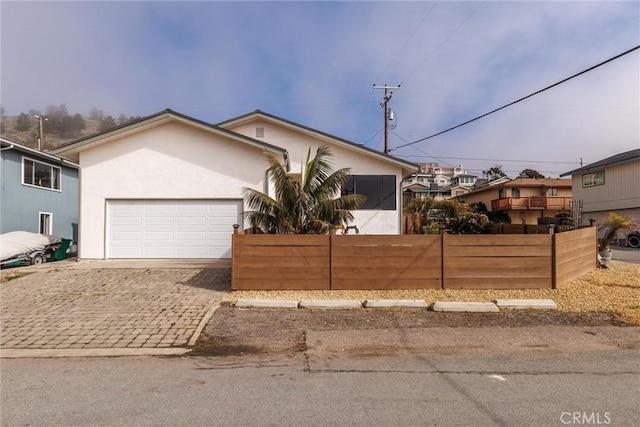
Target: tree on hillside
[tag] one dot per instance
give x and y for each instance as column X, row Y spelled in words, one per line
column 494, row 172
column 107, row 123
column 96, row 114
column 3, row 126
column 310, row 205
column 530, row 173
column 24, row 122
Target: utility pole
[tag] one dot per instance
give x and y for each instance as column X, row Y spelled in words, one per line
column 385, row 104
column 40, row 118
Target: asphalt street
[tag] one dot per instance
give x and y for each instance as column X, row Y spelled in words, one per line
column 546, row 387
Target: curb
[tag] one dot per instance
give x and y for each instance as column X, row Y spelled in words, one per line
column 526, row 304
column 441, row 306
column 465, row 307
column 330, row 304
column 266, row 303
column 390, row 303
column 91, row 352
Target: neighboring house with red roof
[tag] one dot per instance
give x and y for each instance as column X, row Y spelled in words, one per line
column 524, row 199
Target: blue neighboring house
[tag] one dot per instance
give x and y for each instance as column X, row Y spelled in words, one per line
column 39, row 192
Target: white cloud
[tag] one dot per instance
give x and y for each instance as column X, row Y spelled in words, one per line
column 314, row 63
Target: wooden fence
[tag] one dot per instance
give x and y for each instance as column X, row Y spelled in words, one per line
column 318, row 262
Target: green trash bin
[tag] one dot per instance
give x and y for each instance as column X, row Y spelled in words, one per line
column 60, row 253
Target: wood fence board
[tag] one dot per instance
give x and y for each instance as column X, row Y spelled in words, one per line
column 364, row 284
column 384, row 272
column 283, row 239
column 283, row 284
column 395, row 262
column 271, row 261
column 572, row 245
column 275, row 273
column 499, row 251
column 566, row 257
column 498, row 283
column 385, row 240
column 572, row 271
column 498, row 264
column 491, row 272
column 243, row 251
column 496, row 240
column 387, row 251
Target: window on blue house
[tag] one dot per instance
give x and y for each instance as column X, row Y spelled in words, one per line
column 40, row 174
column 380, row 190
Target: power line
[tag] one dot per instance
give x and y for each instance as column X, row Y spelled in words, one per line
column 521, row 99
column 501, row 160
column 442, row 44
column 424, row 18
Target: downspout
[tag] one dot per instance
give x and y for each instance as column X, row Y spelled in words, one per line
column 7, row 148
column 287, row 163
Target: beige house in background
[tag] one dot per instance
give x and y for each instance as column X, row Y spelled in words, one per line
column 524, row 199
column 611, row 184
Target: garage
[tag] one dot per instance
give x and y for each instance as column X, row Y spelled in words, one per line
column 171, row 228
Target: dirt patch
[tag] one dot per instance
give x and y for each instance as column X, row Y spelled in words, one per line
column 235, row 331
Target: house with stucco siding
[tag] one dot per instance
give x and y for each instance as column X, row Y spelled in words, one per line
column 170, row 186
column 525, row 200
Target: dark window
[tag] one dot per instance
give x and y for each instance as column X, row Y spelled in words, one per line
column 380, row 190
column 40, row 174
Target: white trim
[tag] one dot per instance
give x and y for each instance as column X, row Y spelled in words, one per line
column 59, row 190
column 49, row 221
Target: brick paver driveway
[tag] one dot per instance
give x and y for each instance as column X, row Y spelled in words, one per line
column 86, row 308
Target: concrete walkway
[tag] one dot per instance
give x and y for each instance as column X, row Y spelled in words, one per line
column 67, row 308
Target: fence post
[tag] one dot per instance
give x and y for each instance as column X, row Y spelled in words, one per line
column 236, row 228
column 554, row 261
column 442, row 258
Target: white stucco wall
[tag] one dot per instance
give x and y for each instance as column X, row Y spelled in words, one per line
column 297, row 144
column 171, row 161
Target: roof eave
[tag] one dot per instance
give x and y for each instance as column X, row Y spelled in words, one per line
column 408, row 168
column 78, row 145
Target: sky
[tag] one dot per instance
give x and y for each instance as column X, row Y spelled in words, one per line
column 315, row 63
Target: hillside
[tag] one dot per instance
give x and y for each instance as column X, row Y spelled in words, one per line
column 51, row 140
column 59, row 125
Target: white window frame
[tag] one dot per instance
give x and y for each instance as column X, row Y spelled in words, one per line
column 59, row 189
column 48, row 216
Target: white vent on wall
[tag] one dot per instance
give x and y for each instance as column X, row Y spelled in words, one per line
column 259, row 132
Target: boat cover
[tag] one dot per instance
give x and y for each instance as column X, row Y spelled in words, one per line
column 18, row 243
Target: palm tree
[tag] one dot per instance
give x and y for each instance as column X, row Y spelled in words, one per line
column 308, row 206
column 613, row 224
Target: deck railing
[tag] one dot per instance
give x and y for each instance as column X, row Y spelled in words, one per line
column 533, row 202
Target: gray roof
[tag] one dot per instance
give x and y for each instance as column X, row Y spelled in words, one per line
column 618, row 159
column 7, row 144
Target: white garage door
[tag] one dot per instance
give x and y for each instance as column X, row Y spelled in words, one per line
column 171, row 228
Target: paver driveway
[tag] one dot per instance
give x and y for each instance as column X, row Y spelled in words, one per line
column 93, row 307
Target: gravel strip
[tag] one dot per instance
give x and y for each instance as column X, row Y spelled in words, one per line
column 615, row 290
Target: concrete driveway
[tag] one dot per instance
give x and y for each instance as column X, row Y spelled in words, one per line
column 110, row 306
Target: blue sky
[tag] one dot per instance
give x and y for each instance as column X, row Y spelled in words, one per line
column 315, row 63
